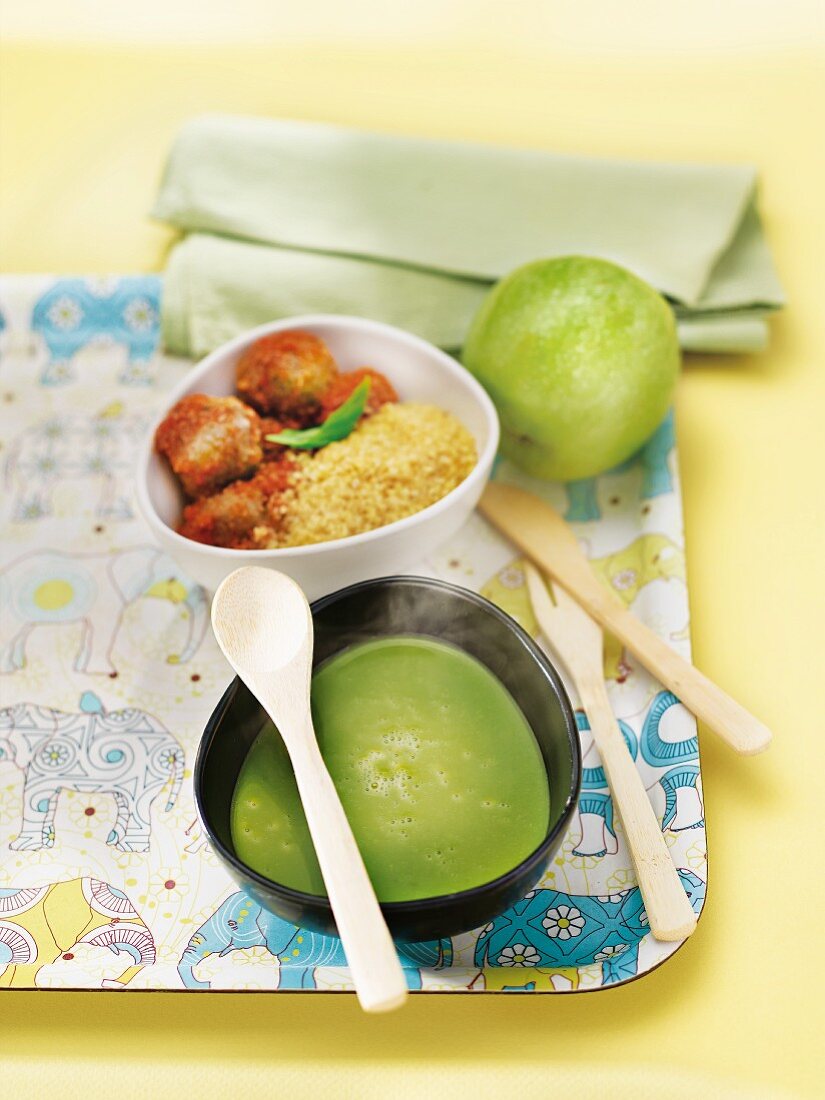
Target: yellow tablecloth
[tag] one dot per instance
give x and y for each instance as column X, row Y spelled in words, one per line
column 734, row 1013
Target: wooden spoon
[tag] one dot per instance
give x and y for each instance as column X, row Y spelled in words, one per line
column 578, row 643
column 541, row 533
column 263, row 624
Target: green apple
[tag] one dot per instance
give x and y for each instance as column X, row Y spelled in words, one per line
column 580, row 358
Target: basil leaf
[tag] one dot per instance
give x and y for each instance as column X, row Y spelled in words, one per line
column 337, row 425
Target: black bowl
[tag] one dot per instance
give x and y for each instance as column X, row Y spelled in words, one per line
column 392, row 606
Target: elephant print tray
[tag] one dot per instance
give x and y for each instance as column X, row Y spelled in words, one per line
column 108, row 674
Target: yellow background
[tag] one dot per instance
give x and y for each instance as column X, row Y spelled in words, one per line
column 87, row 112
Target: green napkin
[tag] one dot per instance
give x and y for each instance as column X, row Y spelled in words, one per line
column 294, row 217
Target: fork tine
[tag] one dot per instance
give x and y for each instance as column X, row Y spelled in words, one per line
column 574, row 637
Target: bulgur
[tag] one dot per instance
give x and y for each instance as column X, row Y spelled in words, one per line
column 395, row 463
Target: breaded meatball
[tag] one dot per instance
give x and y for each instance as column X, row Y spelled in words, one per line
column 285, row 374
column 241, row 516
column 381, row 391
column 210, row 441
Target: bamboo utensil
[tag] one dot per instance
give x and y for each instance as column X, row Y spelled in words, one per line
column 263, row 624
column 541, row 533
column 577, row 641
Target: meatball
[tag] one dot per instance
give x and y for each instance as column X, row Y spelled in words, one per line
column 271, row 426
column 242, row 515
column 285, row 375
column 226, row 519
column 210, row 441
column 381, row 391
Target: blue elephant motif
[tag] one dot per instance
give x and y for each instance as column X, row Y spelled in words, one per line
column 596, row 818
column 683, row 809
column 680, row 784
column 598, row 835
column 656, row 477
column 582, row 501
column 678, row 817
column 551, row 929
column 655, row 750
column 75, row 312
column 241, row 922
column 594, row 779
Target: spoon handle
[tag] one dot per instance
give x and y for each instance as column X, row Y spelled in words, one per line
column 376, row 971
column 666, row 903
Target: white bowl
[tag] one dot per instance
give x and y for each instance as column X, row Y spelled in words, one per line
column 419, row 372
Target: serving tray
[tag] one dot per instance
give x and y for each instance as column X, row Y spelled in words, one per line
column 108, row 673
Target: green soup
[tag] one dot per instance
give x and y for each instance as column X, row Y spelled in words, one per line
column 439, row 773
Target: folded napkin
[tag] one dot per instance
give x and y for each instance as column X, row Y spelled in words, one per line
column 293, row 217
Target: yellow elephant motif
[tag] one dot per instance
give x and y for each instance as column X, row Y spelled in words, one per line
column 533, row 978
column 39, row 924
column 507, row 589
column 625, row 572
column 648, row 558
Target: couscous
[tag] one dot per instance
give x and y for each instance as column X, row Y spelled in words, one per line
column 261, row 489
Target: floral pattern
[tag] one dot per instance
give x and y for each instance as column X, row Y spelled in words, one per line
column 88, row 809
column 169, row 884
column 54, row 756
column 59, row 371
column 102, row 286
column 66, row 313
column 518, row 955
column 139, row 315
column 611, row 952
column 512, row 577
column 624, row 580
column 564, row 922
column 168, row 758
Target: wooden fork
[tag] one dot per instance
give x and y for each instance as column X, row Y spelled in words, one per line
column 549, row 541
column 577, row 641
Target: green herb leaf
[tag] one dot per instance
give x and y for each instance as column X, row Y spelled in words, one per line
column 337, row 425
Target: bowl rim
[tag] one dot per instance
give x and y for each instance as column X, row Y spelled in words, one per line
column 479, row 472
column 417, row 905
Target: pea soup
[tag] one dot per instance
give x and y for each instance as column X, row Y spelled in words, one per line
column 439, row 773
